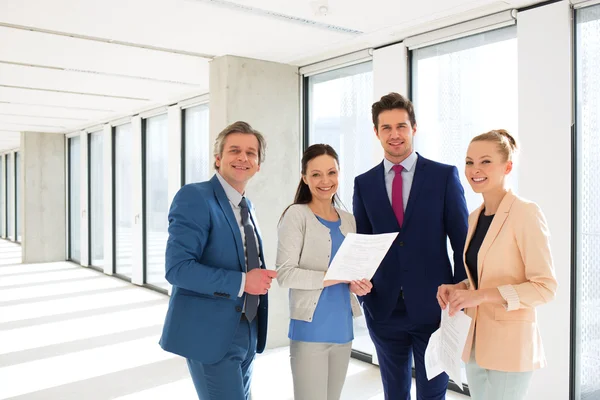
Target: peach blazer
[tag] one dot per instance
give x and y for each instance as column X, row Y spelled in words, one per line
column 515, row 258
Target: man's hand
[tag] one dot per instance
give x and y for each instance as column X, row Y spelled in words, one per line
column 444, row 292
column 258, row 281
column 361, row 288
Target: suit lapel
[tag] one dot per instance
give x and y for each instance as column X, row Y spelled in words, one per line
column 494, row 229
column 417, row 183
column 228, row 211
column 470, row 232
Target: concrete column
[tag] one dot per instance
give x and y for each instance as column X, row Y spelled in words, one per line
column 267, row 96
column 44, row 197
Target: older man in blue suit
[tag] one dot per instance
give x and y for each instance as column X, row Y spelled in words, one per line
column 217, row 316
column 424, row 201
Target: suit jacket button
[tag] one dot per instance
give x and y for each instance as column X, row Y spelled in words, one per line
column 238, row 308
column 401, row 244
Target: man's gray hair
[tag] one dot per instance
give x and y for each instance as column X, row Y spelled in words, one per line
column 240, row 127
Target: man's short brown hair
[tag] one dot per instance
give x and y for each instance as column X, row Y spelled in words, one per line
column 393, row 101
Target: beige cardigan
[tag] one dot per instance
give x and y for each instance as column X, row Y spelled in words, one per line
column 303, row 253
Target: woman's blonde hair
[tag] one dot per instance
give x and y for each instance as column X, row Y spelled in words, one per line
column 507, row 145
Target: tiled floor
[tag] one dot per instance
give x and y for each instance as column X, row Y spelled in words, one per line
column 71, row 333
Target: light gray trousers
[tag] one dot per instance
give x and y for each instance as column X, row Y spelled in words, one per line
column 487, row 384
column 319, row 369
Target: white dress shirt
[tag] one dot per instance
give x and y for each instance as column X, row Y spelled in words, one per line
column 235, row 198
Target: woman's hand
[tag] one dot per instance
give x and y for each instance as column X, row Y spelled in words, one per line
column 460, row 299
column 361, row 288
column 444, row 292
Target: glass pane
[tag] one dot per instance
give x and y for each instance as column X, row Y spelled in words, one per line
column 463, row 88
column 74, row 199
column 18, row 200
column 340, row 116
column 157, row 198
column 10, row 194
column 587, row 377
column 96, row 199
column 123, row 200
column 197, row 147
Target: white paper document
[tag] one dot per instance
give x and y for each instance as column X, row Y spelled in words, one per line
column 445, row 348
column 359, row 256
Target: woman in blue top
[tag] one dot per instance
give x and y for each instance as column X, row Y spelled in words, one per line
column 310, row 232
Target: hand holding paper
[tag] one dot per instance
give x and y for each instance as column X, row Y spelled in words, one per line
column 359, row 256
column 444, row 351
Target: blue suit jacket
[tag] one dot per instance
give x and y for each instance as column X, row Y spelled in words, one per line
column 418, row 260
column 204, row 261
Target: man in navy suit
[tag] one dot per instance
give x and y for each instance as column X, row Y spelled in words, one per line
column 424, row 201
column 217, row 316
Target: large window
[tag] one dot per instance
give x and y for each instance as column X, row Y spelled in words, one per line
column 587, row 345
column 156, row 161
column 123, row 171
column 197, row 147
column 10, row 196
column 463, row 88
column 18, row 199
column 339, row 114
column 74, row 199
column 96, row 182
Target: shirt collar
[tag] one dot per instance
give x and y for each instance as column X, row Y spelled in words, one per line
column 408, row 163
column 233, row 195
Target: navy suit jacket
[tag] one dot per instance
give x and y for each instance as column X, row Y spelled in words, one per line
column 204, row 261
column 418, row 260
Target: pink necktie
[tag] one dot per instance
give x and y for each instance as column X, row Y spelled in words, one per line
column 397, row 204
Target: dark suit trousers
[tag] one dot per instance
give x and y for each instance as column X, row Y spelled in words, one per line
column 230, row 378
column 397, row 340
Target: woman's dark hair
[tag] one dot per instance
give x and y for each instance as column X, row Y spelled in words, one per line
column 303, row 194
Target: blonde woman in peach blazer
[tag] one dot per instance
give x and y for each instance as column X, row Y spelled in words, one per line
column 510, row 273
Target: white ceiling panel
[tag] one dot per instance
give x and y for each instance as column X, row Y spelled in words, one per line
column 52, row 111
column 8, row 94
column 42, row 121
column 363, row 16
column 7, row 126
column 47, row 78
column 37, row 48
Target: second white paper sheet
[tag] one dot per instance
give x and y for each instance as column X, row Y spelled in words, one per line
column 445, row 347
column 359, row 256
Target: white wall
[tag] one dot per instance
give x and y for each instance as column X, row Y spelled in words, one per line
column 545, row 119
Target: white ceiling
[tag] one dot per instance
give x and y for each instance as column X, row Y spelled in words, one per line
column 69, row 64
